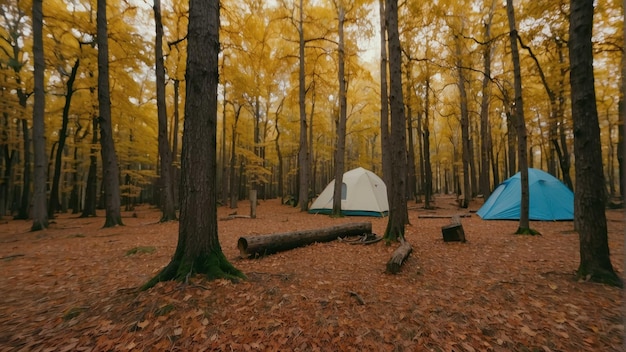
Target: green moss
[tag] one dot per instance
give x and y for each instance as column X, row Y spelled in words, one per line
column 527, row 231
column 602, row 276
column 140, row 250
column 213, row 265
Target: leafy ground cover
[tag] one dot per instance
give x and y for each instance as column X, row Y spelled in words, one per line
column 73, row 287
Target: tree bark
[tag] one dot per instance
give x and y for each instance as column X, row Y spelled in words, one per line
column 590, row 191
column 109, row 158
column 40, row 215
column 91, row 188
column 340, row 146
column 398, row 257
column 520, row 125
column 303, row 153
column 167, row 207
column 465, row 135
column 255, row 246
column 428, row 170
column 398, row 216
column 53, row 204
column 485, row 132
column 384, row 96
column 198, row 249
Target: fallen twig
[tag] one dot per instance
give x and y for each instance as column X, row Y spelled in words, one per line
column 9, row 257
column 357, row 297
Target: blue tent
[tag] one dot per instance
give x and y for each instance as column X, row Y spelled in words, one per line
column 550, row 199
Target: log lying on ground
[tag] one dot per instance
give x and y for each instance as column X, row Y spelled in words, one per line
column 398, row 257
column 254, row 246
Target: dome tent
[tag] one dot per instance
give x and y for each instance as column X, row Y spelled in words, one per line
column 550, row 199
column 362, row 193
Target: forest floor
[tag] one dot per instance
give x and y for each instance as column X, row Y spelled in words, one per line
column 73, row 287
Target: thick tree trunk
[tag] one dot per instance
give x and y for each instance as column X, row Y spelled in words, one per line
column 255, row 246
column 520, row 126
column 40, row 215
column 198, row 250
column 398, row 216
column 398, row 257
column 110, row 169
column 590, row 192
column 167, row 207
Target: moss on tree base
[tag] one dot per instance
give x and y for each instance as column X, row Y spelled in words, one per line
column 527, row 231
column 214, row 265
column 599, row 275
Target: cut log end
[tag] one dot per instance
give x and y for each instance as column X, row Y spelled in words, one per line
column 453, row 233
column 399, row 257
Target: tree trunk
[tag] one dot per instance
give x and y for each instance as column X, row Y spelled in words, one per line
column 398, row 216
column 165, row 154
column 384, row 96
column 411, row 190
column 110, row 169
column 53, row 204
column 233, row 161
column 428, row 170
column 590, row 193
column 621, row 126
column 176, row 169
column 23, row 211
column 520, row 126
column 40, row 215
column 198, row 250
column 279, row 154
column 255, row 246
column 340, row 146
column 465, row 137
column 225, row 174
column 91, row 188
column 303, row 153
column 485, row 133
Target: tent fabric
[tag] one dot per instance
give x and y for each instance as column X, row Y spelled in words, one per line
column 363, row 193
column 550, row 199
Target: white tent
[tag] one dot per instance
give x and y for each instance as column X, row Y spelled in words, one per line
column 362, row 193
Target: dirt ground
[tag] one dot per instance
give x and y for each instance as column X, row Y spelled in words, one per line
column 72, row 288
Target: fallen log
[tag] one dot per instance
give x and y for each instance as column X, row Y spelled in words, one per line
column 398, row 257
column 255, row 246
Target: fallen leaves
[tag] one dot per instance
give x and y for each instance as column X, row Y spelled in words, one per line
column 497, row 292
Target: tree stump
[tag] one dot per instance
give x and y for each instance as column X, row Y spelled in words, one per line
column 254, row 246
column 453, row 233
column 398, row 257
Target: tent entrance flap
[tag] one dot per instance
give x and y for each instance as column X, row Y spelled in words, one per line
column 365, row 195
